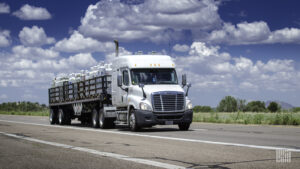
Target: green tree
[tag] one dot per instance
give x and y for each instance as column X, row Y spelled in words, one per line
column 256, row 106
column 241, row 105
column 202, row 109
column 273, row 107
column 227, row 104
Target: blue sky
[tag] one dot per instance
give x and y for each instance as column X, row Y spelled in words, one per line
column 245, row 48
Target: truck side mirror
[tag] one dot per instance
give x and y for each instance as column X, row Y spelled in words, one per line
column 183, row 80
column 141, row 85
column 119, row 80
column 188, row 88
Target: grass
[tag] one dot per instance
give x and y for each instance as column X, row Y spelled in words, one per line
column 30, row 113
column 213, row 117
column 249, row 118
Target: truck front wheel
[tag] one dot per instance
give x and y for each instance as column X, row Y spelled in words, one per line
column 184, row 126
column 132, row 121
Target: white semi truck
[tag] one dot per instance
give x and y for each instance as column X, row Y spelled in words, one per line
column 139, row 91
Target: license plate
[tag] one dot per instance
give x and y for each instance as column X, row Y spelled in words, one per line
column 169, row 122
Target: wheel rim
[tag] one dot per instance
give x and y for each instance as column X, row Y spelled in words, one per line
column 94, row 119
column 60, row 117
column 101, row 119
column 51, row 116
column 132, row 121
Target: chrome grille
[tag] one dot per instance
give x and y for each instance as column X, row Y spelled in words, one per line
column 168, row 101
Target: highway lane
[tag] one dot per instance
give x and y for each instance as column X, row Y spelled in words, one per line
column 157, row 149
column 263, row 135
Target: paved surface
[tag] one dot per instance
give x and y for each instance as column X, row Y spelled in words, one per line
column 30, row 142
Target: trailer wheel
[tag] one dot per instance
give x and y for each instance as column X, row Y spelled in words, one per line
column 52, row 117
column 133, row 122
column 102, row 119
column 184, row 126
column 61, row 117
column 95, row 119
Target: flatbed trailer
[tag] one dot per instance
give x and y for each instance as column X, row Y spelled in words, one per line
column 79, row 99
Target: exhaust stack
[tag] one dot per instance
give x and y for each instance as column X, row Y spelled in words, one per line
column 117, row 47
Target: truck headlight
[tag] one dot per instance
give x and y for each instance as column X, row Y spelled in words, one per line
column 189, row 105
column 145, row 106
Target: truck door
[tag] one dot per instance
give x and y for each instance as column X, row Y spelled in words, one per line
column 120, row 96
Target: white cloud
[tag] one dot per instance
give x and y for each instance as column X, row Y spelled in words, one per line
column 33, row 52
column 82, row 60
column 154, row 20
column 28, row 12
column 181, row 48
column 4, row 38
column 3, row 96
column 211, row 69
column 252, row 33
column 122, row 51
column 78, row 43
column 34, row 36
column 4, row 8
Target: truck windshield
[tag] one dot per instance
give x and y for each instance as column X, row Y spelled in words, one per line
column 153, row 76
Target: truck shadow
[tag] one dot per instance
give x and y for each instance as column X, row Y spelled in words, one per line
column 150, row 130
column 143, row 130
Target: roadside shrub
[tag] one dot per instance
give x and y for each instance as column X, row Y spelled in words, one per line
column 256, row 106
column 296, row 109
column 202, row 109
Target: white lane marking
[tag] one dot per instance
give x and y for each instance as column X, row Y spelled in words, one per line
column 160, row 137
column 100, row 153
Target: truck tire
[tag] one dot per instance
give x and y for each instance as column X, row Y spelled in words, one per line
column 102, row 119
column 61, row 117
column 95, row 119
column 133, row 122
column 184, row 126
column 52, row 117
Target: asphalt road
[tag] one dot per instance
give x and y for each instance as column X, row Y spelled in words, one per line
column 30, row 142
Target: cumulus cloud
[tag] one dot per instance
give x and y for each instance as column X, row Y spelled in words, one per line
column 82, row 60
column 181, row 48
column 34, row 36
column 211, row 69
column 28, row 12
column 33, row 52
column 3, row 96
column 154, row 20
column 4, row 38
column 36, row 66
column 245, row 33
column 4, row 8
column 78, row 43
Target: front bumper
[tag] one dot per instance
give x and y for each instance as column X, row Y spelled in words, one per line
column 149, row 118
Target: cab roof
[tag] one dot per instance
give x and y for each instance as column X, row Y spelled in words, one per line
column 144, row 61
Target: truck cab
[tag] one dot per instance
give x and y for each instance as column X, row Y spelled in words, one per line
column 146, row 92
